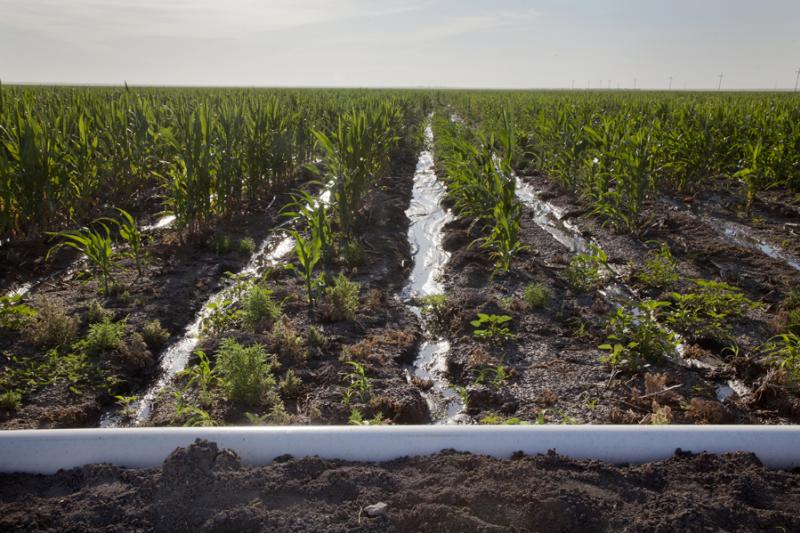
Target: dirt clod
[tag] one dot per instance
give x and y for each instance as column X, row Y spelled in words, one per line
column 202, row 488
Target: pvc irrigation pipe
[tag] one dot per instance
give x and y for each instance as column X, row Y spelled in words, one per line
column 46, row 451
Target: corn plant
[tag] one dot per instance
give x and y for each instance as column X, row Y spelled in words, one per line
column 130, row 233
column 94, row 244
column 309, row 253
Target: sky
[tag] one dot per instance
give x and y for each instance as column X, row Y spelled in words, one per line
column 403, row 43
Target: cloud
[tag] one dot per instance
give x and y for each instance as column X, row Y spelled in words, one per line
column 459, row 25
column 103, row 21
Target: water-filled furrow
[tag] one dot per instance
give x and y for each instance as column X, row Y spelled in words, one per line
column 174, row 359
column 23, row 289
column 739, row 235
column 549, row 218
column 425, row 235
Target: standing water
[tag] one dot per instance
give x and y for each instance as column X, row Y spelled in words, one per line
column 425, row 234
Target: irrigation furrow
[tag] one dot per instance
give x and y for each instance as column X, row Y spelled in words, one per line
column 739, row 235
column 25, row 288
column 549, row 218
column 425, row 234
column 272, row 250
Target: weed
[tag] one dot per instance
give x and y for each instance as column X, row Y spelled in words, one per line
column 783, row 351
column 315, row 337
column 491, row 328
column 104, row 336
column 708, row 312
column 433, row 307
column 52, row 327
column 154, row 334
column 97, row 313
column 135, row 353
column 290, row 384
column 259, row 309
column 659, row 270
column 220, row 243
column 285, row 341
column 10, row 400
column 352, row 252
column 246, row 372
column 356, row 418
column 14, row 315
column 247, row 246
column 635, row 337
column 537, row 295
column 496, row 376
column 341, row 299
column 586, row 271
column 125, row 404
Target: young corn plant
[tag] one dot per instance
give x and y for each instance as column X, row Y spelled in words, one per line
column 130, row 233
column 357, row 151
column 309, row 253
column 94, row 244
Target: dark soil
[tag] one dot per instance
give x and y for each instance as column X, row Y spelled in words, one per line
column 203, row 489
column 700, row 252
column 177, row 278
column 552, row 367
column 382, row 337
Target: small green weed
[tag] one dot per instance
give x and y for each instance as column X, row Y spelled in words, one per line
column 247, row 246
column 341, row 299
column 537, row 295
column 10, row 401
column 635, row 336
column 492, row 328
column 246, row 372
column 659, row 270
column 14, row 315
column 587, row 270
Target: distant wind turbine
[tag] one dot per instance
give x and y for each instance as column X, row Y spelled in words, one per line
column 797, row 79
column 670, row 83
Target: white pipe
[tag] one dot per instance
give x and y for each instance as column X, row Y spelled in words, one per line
column 46, row 451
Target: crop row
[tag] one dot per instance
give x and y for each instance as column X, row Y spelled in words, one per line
column 68, row 153
column 617, row 151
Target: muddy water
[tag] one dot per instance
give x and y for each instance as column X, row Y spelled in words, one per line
column 425, row 234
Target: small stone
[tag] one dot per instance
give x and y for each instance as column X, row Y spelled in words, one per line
column 376, row 509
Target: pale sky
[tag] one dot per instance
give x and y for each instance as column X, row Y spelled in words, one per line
column 402, row 43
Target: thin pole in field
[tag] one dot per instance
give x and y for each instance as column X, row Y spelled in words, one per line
column 670, row 84
column 797, row 79
column 720, row 76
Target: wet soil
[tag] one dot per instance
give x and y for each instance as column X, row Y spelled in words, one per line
column 22, row 260
column 383, row 336
column 201, row 488
column 775, row 215
column 700, row 252
column 177, row 278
